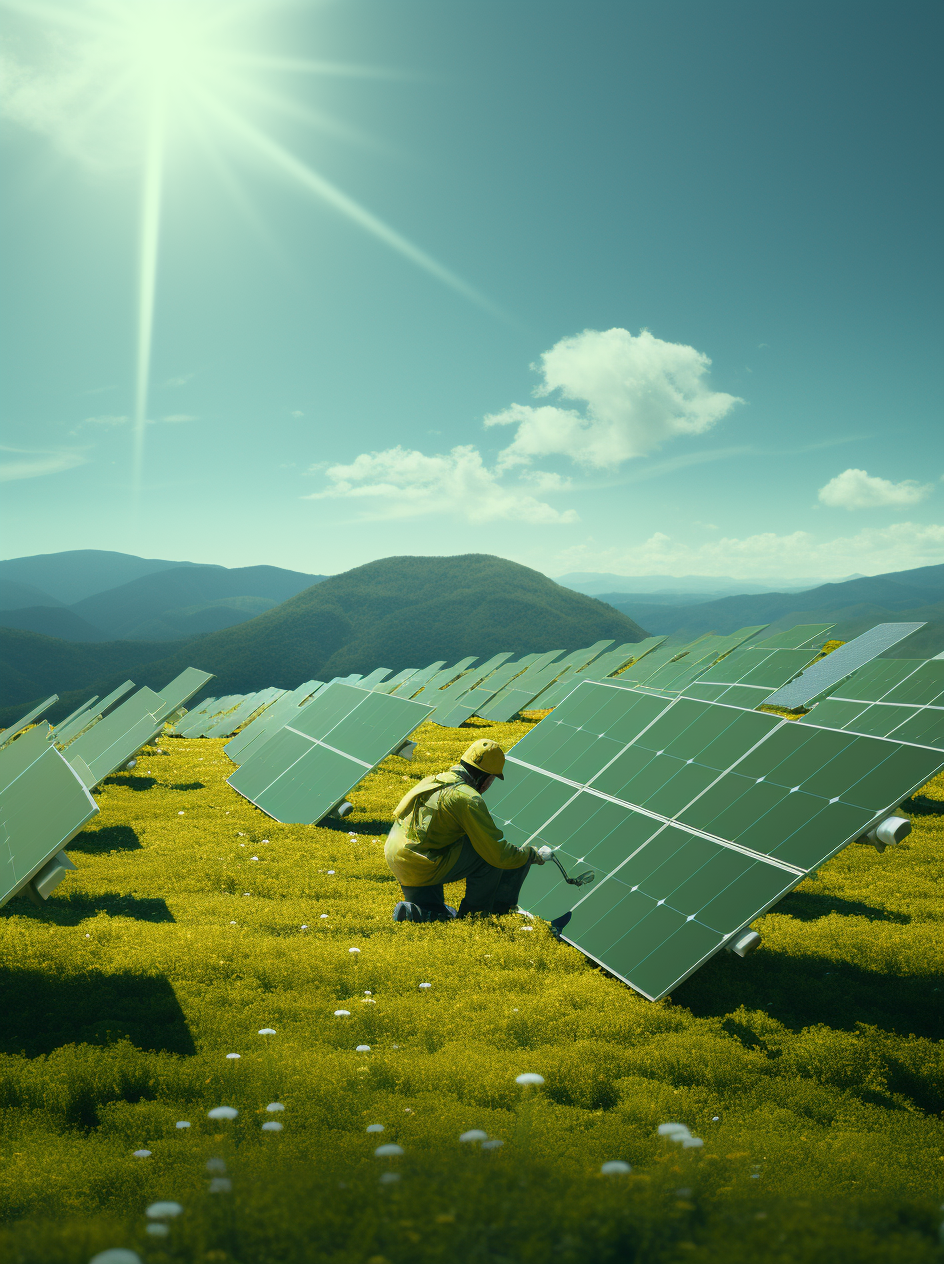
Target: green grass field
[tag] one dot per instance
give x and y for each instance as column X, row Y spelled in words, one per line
column 811, row 1069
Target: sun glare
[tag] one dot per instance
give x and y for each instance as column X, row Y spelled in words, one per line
column 138, row 79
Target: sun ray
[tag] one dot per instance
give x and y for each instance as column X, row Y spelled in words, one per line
column 153, row 178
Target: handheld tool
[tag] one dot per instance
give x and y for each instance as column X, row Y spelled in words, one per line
column 580, row 880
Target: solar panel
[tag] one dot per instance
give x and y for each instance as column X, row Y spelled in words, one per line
column 7, row 735
column 41, row 811
column 599, row 669
column 829, row 672
column 498, row 703
column 795, row 638
column 374, row 678
column 673, row 677
column 203, row 708
column 195, row 721
column 901, row 698
column 182, row 688
column 746, row 677
column 110, row 743
column 447, row 698
column 442, row 678
column 77, row 712
column 474, row 700
column 527, row 691
column 246, row 710
column 305, row 769
column 396, row 680
column 697, row 817
column 270, row 721
column 20, row 754
column 641, row 670
column 79, row 721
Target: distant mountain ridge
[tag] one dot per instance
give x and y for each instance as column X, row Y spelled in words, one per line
column 72, row 575
column 397, row 612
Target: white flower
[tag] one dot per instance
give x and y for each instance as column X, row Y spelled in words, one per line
column 220, row 1185
column 232, row 923
column 389, row 1178
column 425, row 986
column 375, row 1127
column 715, row 1118
column 266, row 1031
column 353, row 949
column 157, row 1230
column 271, row 1125
column 689, row 1143
column 342, row 1013
column 215, row 1165
column 474, row 1134
column 670, row 1130
column 330, row 871
column 275, row 1106
column 163, row 1211
column 117, row 1255
column 529, row 1077
column 234, row 1055
column 323, row 916
column 304, row 928
column 141, row 1154
column 615, row 1167
column 493, row 1144
column 253, row 857
column 182, row 1123
column 222, row 1112
column 388, row 1151
column 180, row 813
column 263, row 840
column 362, row 1049
column 526, row 928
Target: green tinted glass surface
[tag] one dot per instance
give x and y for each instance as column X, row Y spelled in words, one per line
column 262, row 768
column 183, row 687
column 826, row 674
column 18, row 755
column 270, row 720
column 8, row 734
column 797, row 637
column 310, row 787
column 40, row 812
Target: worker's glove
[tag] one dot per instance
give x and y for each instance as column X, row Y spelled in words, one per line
column 542, row 855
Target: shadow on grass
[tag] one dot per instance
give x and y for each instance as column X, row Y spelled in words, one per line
column 919, row 805
column 130, row 783
column 97, row 842
column 800, row 991
column 187, row 785
column 71, row 910
column 372, row 829
column 45, row 1012
column 808, row 906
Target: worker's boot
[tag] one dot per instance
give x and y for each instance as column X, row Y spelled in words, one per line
column 407, row 912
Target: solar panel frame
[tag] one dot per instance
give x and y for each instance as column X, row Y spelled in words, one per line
column 304, row 770
column 747, row 676
column 603, row 666
column 444, row 677
column 900, row 698
column 18, row 755
column 247, row 710
column 796, row 638
column 68, row 730
column 683, row 755
column 182, row 688
column 520, row 682
column 673, row 677
column 447, row 697
column 110, row 743
column 526, row 692
column 41, row 811
column 476, row 699
column 194, row 722
column 271, row 720
column 825, row 675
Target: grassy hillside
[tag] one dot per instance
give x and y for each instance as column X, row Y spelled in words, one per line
column 130, row 611
column 810, row 1069
column 398, row 612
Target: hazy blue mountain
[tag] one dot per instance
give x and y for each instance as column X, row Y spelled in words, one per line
column 57, row 621
column 176, row 597
column 78, row 573
column 15, row 596
column 596, row 583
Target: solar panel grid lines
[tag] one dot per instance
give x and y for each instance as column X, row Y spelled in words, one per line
column 18, row 755
column 270, row 720
column 110, row 743
column 796, row 638
column 41, row 811
column 497, row 706
column 417, row 679
column 674, row 676
column 649, row 664
column 527, row 690
column 827, row 673
column 444, row 677
column 890, row 697
column 727, row 808
column 476, row 699
column 7, row 735
column 747, row 676
column 304, row 770
column 448, row 697
column 599, row 669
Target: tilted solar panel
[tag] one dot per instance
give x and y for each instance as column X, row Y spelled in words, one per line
column 441, row 678
column 527, row 691
column 498, row 705
column 413, row 681
column 473, row 701
column 7, row 735
column 86, row 706
column 824, row 676
column 746, row 677
column 599, row 669
column 27, row 748
column 249, row 707
column 796, row 638
column 79, row 721
column 41, row 811
column 194, row 722
column 446, row 699
column 270, row 721
column 395, row 681
column 675, row 676
column 182, row 688
column 305, row 770
column 696, row 816
column 110, row 743
column 640, row 671
column 901, row 698
column 374, row 678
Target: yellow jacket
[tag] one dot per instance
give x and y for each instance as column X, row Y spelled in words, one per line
column 430, row 824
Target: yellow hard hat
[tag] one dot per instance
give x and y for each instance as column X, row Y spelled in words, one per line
column 487, row 756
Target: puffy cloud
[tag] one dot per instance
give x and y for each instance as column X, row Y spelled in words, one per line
column 855, row 489
column 637, row 391
column 899, row 546
column 400, row 483
column 27, row 463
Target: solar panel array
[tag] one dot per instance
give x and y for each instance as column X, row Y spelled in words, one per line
column 901, row 698
column 270, row 720
column 697, row 817
column 828, row 672
column 305, row 769
column 674, row 676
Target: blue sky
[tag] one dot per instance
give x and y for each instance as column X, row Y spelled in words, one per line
column 708, row 233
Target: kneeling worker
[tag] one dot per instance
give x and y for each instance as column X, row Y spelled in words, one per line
column 443, row 832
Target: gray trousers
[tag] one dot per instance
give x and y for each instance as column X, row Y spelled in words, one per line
column 487, row 889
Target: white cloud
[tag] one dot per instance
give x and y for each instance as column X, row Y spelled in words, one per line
column 399, row 483
column 874, row 551
column 855, row 489
column 27, row 463
column 638, row 392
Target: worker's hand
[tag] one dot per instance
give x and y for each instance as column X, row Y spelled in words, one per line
column 542, row 855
